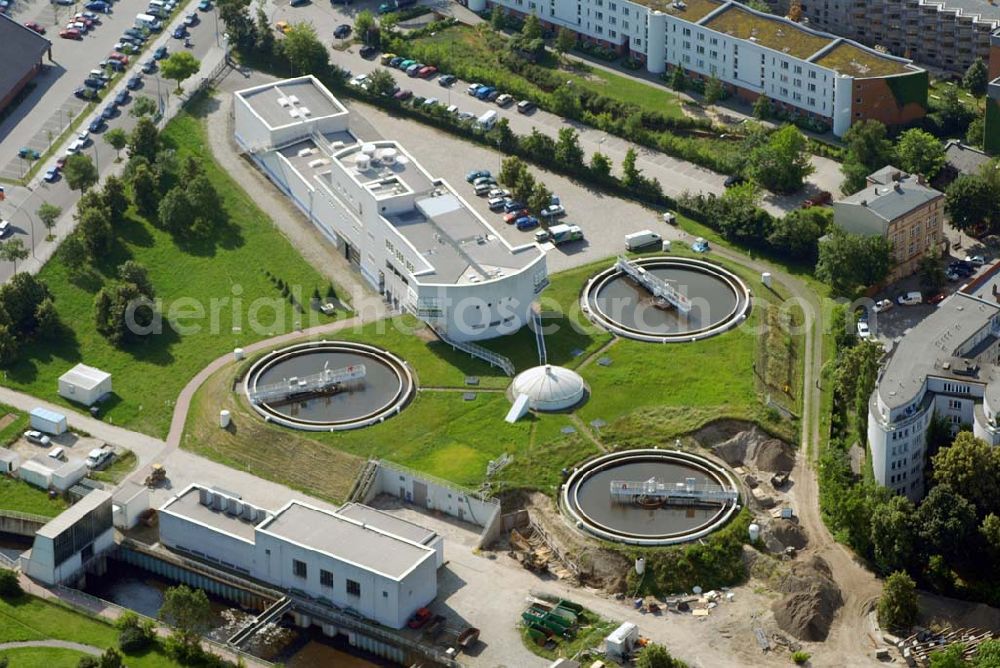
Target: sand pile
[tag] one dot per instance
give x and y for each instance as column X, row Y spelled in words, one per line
column 810, row 602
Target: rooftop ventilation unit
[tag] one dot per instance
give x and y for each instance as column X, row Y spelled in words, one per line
column 318, row 162
column 293, row 99
column 283, row 101
column 235, row 508
column 388, row 156
column 336, row 145
column 305, row 111
column 205, row 496
column 368, row 149
column 363, row 162
column 294, row 113
column 304, row 152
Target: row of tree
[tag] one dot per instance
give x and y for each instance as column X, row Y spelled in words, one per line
column 868, row 149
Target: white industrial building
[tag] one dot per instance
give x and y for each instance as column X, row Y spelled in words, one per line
column 411, row 235
column 48, row 473
column 9, row 461
column 380, row 566
column 64, row 547
column 754, row 53
column 84, row 384
column 949, row 366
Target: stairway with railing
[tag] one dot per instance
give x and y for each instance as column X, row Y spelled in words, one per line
column 476, row 350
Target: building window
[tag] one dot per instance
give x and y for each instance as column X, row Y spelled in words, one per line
column 353, row 588
column 385, row 594
column 325, row 578
column 299, row 568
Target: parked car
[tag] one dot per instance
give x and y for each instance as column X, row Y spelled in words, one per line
column 430, row 102
column 120, row 58
column 37, row 27
column 137, row 34
column 98, row 457
column 149, row 67
column 910, row 299
column 96, row 125
column 342, row 31
column 863, row 331
column 109, row 111
column 821, row 198
column 504, row 100
column 474, row 88
column 513, row 205
column 493, row 95
column 882, row 305
column 122, row 97
column 298, row 3
column 477, row 174
column 180, row 32
column 496, row 203
column 485, row 187
column 96, row 84
column 5, row 228
column 75, row 147
column 553, row 211
column 419, row 618
column 282, row 27
column 70, row 33
column 526, row 223
column 513, row 215
column 975, row 260
column 412, row 70
column 360, row 80
column 498, row 192
column 937, row 298
column 160, row 53
column 447, row 79
column 368, row 51
column 466, row 115
column 37, row 437
column 403, row 94
column 525, row 106
column 427, row 72
column 483, row 92
column 191, row 19
column 395, row 61
column 205, row 6
column 85, row 93
column 134, row 83
column 51, row 175
column 99, row 6
column 405, row 63
column 126, row 47
column 485, row 179
column 386, row 58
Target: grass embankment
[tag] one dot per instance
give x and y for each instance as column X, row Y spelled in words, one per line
column 649, row 395
column 13, row 423
column 590, row 633
column 222, row 278
column 115, row 472
column 20, row 496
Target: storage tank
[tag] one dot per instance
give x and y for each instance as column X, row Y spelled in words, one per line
column 549, row 388
column 754, row 531
column 765, row 278
column 238, row 354
column 640, row 565
column 224, row 418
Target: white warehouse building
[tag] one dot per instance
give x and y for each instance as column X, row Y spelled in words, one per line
column 411, row 235
column 949, row 366
column 360, row 558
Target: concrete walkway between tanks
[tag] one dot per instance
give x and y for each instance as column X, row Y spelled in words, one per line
column 54, row 644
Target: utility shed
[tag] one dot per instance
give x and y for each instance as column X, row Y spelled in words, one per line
column 68, row 474
column 84, row 384
column 47, row 421
column 9, row 460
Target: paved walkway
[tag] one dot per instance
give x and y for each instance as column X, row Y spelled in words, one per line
column 57, row 644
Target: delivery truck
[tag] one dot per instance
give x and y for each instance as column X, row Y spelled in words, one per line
column 559, row 234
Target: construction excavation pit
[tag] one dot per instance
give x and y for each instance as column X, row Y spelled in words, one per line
column 328, row 385
column 666, row 299
column 650, row 497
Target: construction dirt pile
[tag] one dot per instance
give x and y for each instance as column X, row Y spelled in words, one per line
column 781, row 533
column 755, row 448
column 810, row 602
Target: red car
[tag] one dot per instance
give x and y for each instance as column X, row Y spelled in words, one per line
column 427, row 72
column 937, row 299
column 120, row 57
column 31, row 25
column 419, row 618
column 70, row 33
column 514, row 215
column 61, row 162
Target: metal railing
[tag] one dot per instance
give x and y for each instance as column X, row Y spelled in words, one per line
column 659, row 288
column 31, row 517
column 317, row 383
column 476, row 350
column 536, row 325
column 630, row 491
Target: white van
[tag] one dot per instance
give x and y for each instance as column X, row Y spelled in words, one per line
column 56, row 452
column 910, row 299
column 642, row 239
column 488, row 120
column 157, row 3
column 146, row 21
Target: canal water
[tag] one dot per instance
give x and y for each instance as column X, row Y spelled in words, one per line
column 139, row 590
column 12, row 545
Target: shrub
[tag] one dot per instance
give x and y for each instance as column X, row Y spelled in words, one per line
column 88, row 662
column 132, row 640
column 800, row 657
column 9, row 585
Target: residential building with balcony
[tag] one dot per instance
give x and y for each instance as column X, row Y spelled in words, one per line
column 803, row 71
column 899, row 207
column 410, row 234
column 991, row 141
column 946, row 366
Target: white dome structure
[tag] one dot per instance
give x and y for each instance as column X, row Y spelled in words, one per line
column 549, row 388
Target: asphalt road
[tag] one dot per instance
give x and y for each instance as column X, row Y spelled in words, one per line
column 21, row 203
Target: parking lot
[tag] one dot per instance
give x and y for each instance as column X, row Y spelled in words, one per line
column 39, row 119
column 74, row 446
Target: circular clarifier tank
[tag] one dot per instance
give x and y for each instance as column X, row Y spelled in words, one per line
column 650, row 497
column 710, row 299
column 328, row 385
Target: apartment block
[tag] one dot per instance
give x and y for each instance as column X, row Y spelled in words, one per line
column 804, row 71
column 992, row 131
column 899, row 207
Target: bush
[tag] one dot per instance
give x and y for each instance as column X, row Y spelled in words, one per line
column 800, row 657
column 88, row 662
column 10, row 587
column 132, row 640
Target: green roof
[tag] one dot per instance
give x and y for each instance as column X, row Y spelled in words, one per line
column 693, row 10
column 861, row 63
column 771, row 32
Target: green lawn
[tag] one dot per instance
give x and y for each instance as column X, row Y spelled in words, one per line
column 16, row 424
column 42, row 657
column 31, row 618
column 114, row 473
column 22, row 497
column 224, row 277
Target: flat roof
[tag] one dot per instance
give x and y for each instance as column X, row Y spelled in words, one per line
column 20, row 50
column 276, row 102
column 46, row 414
column 690, row 10
column 770, row 31
column 851, row 59
column 86, row 377
column 346, row 539
column 74, row 513
column 397, row 526
column 188, row 505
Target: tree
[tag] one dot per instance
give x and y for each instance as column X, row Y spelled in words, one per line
column 178, row 66
column 188, row 611
column 145, row 191
column 144, row 140
column 931, row 270
column 8, row 346
column 239, row 26
column 176, row 214
column 783, row 162
column 946, row 521
column 381, row 83
column 46, row 318
column 532, row 28
column 600, row 165
column 511, row 171
column 920, row 152
column 132, row 272
column 80, row 172
column 96, row 233
column 568, row 150
column 847, row 261
column 971, row 204
column 566, row 102
column 893, row 535
column 976, row 134
column 111, row 658
column 714, row 90
column 678, row 81
column 950, row 657
column 565, row 41
column 897, row 607
column 796, row 234
column 523, row 187
column 762, row 108
column 117, row 139
column 48, row 214
column 265, row 36
column 305, row 53
column 740, row 217
column 115, row 199
column 868, row 149
column 13, row 250
column 971, row 465
column 976, row 77
column 20, row 297
column 143, row 106
column 539, row 198
column 630, row 173
column 10, row 587
column 364, row 23
column 122, row 313
column 73, row 253
column 205, row 199
column 656, row 656
column 497, row 19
